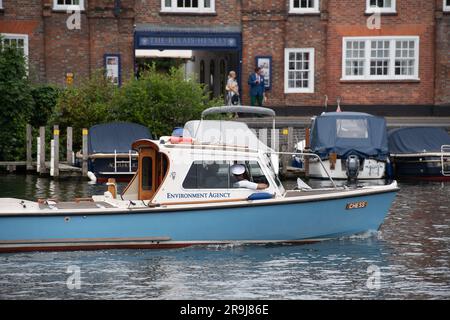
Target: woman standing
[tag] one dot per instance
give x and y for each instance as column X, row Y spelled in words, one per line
column 232, row 89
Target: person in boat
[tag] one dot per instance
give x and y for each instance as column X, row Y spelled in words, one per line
column 238, row 171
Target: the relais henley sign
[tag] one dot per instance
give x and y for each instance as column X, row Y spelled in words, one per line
column 174, row 41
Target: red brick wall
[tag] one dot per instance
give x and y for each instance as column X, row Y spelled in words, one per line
column 442, row 44
column 267, row 29
column 228, row 13
column 413, row 18
column 54, row 50
column 25, row 17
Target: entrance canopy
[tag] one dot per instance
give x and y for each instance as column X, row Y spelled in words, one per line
column 149, row 36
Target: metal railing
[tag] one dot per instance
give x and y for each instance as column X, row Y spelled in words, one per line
column 308, row 155
column 445, row 149
column 116, row 162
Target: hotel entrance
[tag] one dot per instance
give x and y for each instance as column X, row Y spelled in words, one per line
column 204, row 54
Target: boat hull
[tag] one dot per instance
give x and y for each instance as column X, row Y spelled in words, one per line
column 105, row 168
column 420, row 168
column 256, row 222
column 370, row 169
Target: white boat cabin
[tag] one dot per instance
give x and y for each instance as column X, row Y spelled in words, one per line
column 196, row 167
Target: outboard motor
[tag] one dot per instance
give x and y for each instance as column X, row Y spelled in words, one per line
column 352, row 164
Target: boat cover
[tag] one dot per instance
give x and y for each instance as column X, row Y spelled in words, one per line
column 349, row 133
column 115, row 136
column 417, row 140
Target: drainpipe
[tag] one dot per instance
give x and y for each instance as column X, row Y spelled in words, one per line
column 116, row 9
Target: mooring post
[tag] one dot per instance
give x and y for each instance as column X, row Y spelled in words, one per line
column 69, row 146
column 41, row 159
column 85, row 152
column 29, row 146
column 56, row 150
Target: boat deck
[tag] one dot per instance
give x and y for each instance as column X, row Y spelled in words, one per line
column 76, row 205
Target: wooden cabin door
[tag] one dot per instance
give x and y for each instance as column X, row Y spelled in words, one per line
column 147, row 173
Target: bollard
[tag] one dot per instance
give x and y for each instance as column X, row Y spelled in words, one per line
column 85, row 152
column 29, row 148
column 69, row 145
column 55, row 150
column 41, row 159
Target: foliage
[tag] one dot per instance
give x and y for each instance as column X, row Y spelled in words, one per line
column 84, row 106
column 45, row 98
column 161, row 101
column 16, row 103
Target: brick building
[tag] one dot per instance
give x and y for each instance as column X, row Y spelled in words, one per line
column 397, row 64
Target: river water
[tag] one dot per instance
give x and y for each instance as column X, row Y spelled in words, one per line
column 409, row 258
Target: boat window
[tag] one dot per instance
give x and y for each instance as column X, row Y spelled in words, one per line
column 146, row 173
column 352, row 128
column 252, row 173
column 207, row 175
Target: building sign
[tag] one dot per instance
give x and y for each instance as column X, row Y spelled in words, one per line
column 179, row 40
column 112, row 67
column 265, row 63
column 219, row 42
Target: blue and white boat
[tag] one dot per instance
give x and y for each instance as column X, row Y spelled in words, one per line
column 420, row 153
column 350, row 144
column 183, row 194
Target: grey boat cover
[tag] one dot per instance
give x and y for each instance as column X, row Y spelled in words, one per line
column 115, row 136
column 417, row 140
column 349, row 133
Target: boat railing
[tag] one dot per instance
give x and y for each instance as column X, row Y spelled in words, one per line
column 126, row 162
column 308, row 154
column 445, row 150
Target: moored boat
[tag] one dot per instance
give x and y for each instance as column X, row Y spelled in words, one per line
column 109, row 150
column 420, row 153
column 350, row 144
column 186, row 192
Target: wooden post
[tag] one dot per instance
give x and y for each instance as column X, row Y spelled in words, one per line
column 85, row 152
column 56, row 150
column 29, row 146
column 69, row 146
column 41, row 159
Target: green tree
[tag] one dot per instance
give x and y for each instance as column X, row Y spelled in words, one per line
column 16, row 102
column 161, row 101
column 84, row 106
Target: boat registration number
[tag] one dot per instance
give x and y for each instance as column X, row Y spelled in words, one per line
column 356, row 205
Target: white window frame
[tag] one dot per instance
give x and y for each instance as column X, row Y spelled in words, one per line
column 315, row 9
column 65, row 7
column 311, row 77
column 445, row 6
column 200, row 9
column 391, row 70
column 18, row 36
column 1, row 4
column 392, row 9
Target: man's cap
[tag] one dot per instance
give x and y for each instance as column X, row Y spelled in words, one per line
column 237, row 169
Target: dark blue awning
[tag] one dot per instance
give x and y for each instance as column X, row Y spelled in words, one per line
column 349, row 133
column 417, row 139
column 116, row 136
